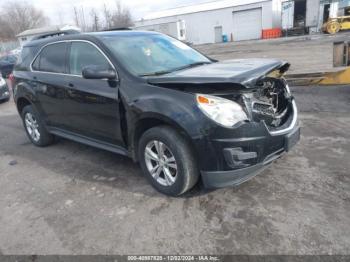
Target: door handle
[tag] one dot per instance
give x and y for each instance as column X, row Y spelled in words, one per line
column 71, row 85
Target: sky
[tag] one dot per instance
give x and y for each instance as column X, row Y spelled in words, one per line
column 61, row 11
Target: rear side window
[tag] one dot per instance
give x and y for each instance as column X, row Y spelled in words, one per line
column 52, row 59
column 25, row 58
column 83, row 54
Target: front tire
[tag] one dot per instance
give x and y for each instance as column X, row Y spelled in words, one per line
column 333, row 28
column 168, row 161
column 35, row 128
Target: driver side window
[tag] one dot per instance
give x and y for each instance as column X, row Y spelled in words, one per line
column 83, row 54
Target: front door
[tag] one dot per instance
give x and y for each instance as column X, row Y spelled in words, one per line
column 91, row 107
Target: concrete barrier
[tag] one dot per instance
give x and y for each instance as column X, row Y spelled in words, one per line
column 341, row 77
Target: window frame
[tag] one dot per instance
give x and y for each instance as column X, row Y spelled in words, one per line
column 38, row 56
column 69, row 42
column 68, row 55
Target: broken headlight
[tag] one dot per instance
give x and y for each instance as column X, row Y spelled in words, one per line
column 223, row 111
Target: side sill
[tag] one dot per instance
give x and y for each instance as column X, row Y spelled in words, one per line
column 89, row 141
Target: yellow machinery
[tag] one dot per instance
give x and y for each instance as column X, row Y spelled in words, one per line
column 334, row 25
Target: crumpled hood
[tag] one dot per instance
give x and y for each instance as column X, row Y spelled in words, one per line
column 246, row 72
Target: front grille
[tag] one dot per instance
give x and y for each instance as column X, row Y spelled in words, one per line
column 263, row 108
column 269, row 102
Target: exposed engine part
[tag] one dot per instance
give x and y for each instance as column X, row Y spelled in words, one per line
column 270, row 103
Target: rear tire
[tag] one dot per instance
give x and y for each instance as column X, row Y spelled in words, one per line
column 165, row 148
column 35, row 128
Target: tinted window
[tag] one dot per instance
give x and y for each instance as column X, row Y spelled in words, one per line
column 36, row 64
column 152, row 53
column 51, row 59
column 84, row 54
column 25, row 58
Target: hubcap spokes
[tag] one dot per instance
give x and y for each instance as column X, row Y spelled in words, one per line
column 32, row 127
column 161, row 163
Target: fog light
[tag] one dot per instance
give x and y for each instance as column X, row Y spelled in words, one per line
column 236, row 157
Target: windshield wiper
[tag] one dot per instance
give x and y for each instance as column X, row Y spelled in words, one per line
column 176, row 69
column 190, row 66
column 157, row 73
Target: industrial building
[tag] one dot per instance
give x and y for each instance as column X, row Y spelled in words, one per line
column 231, row 20
column 310, row 15
column 236, row 20
column 301, row 16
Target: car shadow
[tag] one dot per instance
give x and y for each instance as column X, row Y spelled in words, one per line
column 80, row 162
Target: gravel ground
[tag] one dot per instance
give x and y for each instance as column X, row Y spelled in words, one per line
column 307, row 54
column 74, row 199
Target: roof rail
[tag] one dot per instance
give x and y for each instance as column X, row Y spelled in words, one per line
column 55, row 34
column 117, row 29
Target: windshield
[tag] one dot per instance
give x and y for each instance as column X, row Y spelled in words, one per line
column 151, row 54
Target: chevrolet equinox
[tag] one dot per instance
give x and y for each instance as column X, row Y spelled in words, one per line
column 183, row 116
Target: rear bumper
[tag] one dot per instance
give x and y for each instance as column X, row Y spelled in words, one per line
column 246, row 165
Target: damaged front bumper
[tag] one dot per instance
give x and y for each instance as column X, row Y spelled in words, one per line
column 248, row 151
column 219, row 179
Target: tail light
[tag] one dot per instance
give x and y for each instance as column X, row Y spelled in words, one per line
column 11, row 79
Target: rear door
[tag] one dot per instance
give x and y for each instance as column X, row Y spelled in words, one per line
column 92, row 107
column 49, row 70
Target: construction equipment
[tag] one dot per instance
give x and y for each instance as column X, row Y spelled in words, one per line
column 334, row 25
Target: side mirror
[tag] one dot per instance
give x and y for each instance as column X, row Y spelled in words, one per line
column 99, row 72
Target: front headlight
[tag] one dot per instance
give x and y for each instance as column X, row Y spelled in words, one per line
column 222, row 111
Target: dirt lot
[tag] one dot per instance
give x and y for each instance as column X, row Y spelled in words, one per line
column 307, row 54
column 74, row 199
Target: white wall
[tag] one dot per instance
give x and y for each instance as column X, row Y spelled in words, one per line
column 200, row 26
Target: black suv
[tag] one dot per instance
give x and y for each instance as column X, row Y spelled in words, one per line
column 180, row 114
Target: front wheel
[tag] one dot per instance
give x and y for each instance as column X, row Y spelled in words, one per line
column 168, row 161
column 333, row 27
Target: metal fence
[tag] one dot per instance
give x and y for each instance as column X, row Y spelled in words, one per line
column 8, row 46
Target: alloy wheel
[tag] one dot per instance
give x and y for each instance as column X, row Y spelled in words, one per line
column 161, row 163
column 32, row 126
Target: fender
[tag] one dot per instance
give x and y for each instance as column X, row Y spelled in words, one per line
column 145, row 113
column 25, row 88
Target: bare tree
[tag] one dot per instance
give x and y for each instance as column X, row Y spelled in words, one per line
column 18, row 17
column 107, row 17
column 95, row 20
column 76, row 17
column 121, row 16
column 83, row 21
column 79, row 19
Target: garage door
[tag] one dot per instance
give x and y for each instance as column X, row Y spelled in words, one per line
column 247, row 24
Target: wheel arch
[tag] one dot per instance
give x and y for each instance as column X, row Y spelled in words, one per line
column 21, row 103
column 148, row 121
